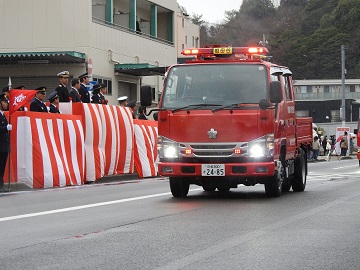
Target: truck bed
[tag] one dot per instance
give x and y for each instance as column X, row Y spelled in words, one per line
column 304, row 130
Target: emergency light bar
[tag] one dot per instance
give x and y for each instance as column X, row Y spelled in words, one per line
column 225, row 51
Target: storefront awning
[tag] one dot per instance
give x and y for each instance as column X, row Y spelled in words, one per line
column 67, row 57
column 143, row 69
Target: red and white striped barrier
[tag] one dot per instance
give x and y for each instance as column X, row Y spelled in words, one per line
column 145, row 148
column 49, row 150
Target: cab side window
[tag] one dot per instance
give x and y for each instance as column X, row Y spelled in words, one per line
column 287, row 88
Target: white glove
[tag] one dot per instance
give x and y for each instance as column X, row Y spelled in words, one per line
column 9, row 127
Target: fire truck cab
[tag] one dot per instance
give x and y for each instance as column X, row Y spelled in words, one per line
column 226, row 118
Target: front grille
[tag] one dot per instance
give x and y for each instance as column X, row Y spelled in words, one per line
column 213, row 149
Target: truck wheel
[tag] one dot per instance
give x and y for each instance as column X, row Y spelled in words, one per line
column 299, row 179
column 179, row 186
column 273, row 185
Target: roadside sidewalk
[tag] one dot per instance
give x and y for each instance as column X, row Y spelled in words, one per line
column 332, row 158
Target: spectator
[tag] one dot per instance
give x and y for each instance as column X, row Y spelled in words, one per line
column 122, row 101
column 38, row 105
column 324, row 142
column 4, row 139
column 133, row 107
column 74, row 92
column 142, row 112
column 6, row 92
column 315, row 148
column 83, row 91
column 54, row 102
column 62, row 90
column 344, row 144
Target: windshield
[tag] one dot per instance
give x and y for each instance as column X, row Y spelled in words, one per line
column 214, row 85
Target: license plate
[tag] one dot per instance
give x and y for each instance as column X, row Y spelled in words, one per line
column 212, row 169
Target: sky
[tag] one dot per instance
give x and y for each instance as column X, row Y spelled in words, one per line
column 212, row 10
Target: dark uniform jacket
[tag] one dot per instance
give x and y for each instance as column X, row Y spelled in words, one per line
column 63, row 93
column 4, row 134
column 74, row 94
column 142, row 117
column 38, row 106
column 84, row 94
column 102, row 99
column 53, row 108
column 95, row 98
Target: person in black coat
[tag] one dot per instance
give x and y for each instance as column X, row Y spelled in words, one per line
column 103, row 91
column 142, row 112
column 54, row 102
column 83, row 91
column 4, row 139
column 74, row 92
column 62, row 90
column 95, row 98
column 38, row 105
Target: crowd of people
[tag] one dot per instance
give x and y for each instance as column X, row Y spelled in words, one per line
column 326, row 146
column 77, row 93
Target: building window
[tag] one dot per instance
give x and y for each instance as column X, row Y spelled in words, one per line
column 326, row 89
column 309, row 89
column 193, row 41
column 186, row 40
column 183, row 23
column 106, row 81
column 182, row 46
column 197, row 42
column 352, row 88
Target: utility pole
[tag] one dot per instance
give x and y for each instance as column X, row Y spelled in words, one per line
column 343, row 115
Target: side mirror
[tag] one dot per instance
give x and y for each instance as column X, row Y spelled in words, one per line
column 275, row 92
column 145, row 95
column 264, row 104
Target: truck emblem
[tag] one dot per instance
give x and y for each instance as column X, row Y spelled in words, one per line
column 212, row 133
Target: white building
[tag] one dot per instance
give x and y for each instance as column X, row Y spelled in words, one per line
column 127, row 42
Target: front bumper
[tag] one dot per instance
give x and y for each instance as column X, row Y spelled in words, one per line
column 248, row 169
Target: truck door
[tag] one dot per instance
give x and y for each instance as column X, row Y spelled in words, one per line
column 289, row 116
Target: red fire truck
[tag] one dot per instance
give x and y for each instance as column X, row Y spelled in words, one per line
column 226, row 118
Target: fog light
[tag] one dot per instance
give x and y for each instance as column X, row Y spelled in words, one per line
column 167, row 169
column 261, row 169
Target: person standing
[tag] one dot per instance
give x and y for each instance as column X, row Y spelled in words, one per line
column 62, row 90
column 95, row 98
column 324, row 142
column 132, row 105
column 142, row 112
column 74, row 92
column 315, row 148
column 38, row 105
column 54, row 102
column 4, row 139
column 344, row 144
column 122, row 101
column 83, row 91
column 103, row 91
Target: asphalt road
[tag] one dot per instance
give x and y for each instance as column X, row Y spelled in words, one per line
column 139, row 225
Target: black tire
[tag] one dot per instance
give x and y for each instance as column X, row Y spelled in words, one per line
column 179, row 186
column 286, row 187
column 206, row 188
column 299, row 179
column 359, row 162
column 273, row 186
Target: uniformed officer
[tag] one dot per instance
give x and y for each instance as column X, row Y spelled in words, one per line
column 6, row 91
column 62, row 90
column 38, row 105
column 83, row 91
column 132, row 105
column 103, row 91
column 4, row 139
column 122, row 101
column 54, row 102
column 74, row 92
column 95, row 98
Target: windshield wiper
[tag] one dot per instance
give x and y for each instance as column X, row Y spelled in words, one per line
column 194, row 105
column 233, row 105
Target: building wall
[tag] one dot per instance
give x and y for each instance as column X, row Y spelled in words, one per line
column 67, row 25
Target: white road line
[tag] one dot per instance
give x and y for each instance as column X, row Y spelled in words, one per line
column 352, row 166
column 68, row 209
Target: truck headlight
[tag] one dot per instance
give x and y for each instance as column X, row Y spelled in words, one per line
column 262, row 147
column 167, row 148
